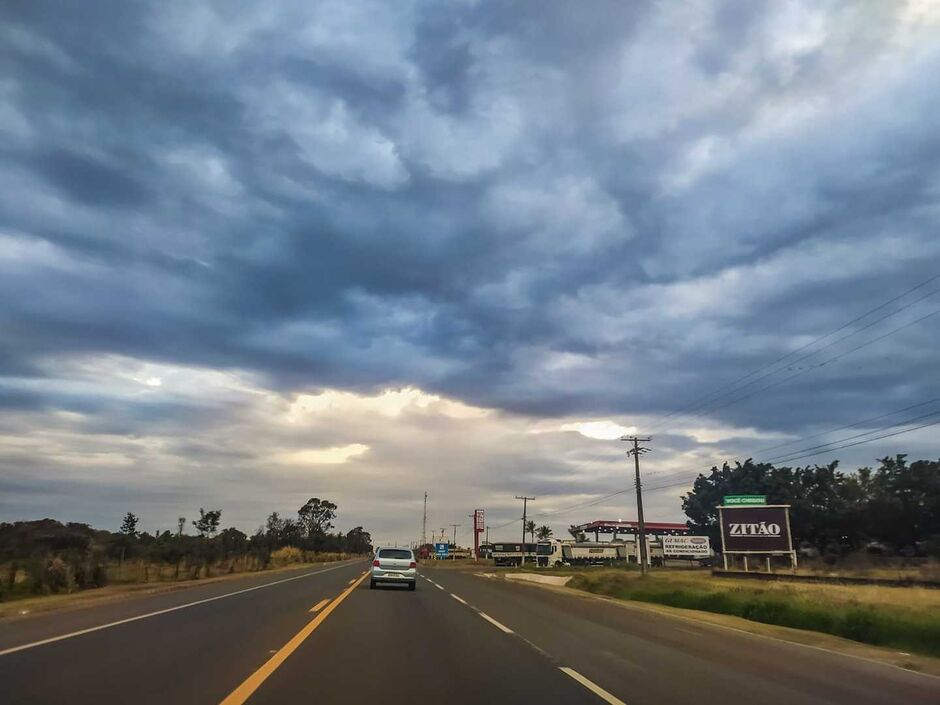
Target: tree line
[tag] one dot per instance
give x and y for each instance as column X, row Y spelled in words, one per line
column 48, row 556
column 893, row 508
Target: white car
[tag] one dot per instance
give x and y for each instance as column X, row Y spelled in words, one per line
column 394, row 565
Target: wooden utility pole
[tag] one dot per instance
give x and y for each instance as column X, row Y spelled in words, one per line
column 636, row 451
column 525, row 505
column 424, row 523
column 454, row 554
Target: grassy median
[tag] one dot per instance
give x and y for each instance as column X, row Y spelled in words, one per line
column 903, row 618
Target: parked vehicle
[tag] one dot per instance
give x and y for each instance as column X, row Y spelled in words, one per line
column 555, row 552
column 513, row 554
column 394, row 565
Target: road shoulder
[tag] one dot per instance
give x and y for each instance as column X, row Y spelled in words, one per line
column 915, row 663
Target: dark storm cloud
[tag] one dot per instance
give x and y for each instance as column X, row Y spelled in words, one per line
column 537, row 207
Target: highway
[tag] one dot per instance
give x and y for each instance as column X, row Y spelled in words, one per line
column 320, row 635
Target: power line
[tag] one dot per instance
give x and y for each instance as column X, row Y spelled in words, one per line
column 852, row 425
column 819, row 452
column 785, row 457
column 825, row 362
column 869, row 440
column 837, row 444
column 711, row 397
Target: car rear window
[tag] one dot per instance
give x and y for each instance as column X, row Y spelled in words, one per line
column 394, row 553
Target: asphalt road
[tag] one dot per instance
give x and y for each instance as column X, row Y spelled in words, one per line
column 322, row 636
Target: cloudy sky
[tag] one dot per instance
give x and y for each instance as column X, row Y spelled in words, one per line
column 362, row 250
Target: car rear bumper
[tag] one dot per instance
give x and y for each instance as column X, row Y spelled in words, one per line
column 380, row 575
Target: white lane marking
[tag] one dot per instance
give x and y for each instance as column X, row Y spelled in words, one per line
column 439, row 587
column 496, row 624
column 593, row 687
column 459, row 599
column 80, row 632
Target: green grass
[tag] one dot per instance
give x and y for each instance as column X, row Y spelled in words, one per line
column 894, row 617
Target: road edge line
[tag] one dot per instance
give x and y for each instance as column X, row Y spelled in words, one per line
column 651, row 608
column 592, row 686
column 157, row 613
column 496, row 624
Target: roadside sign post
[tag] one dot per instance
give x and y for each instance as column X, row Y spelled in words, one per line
column 441, row 550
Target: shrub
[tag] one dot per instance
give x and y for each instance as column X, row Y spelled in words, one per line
column 286, row 556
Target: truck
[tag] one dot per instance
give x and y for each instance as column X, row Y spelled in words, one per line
column 513, row 553
column 554, row 552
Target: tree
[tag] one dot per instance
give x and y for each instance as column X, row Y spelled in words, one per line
column 316, row 516
column 274, row 529
column 530, row 529
column 127, row 534
column 292, row 533
column 904, row 501
column 898, row 504
column 544, row 532
column 129, row 526
column 358, row 541
column 208, row 522
column 234, row 542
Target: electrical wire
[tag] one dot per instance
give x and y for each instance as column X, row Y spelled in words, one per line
column 711, row 397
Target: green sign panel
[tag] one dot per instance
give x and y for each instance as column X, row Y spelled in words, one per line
column 738, row 499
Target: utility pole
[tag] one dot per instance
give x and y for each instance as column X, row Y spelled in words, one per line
column 525, row 505
column 636, row 451
column 454, row 554
column 424, row 523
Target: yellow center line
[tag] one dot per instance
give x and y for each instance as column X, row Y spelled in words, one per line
column 254, row 681
column 317, row 607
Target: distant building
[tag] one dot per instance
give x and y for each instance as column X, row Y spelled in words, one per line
column 603, row 530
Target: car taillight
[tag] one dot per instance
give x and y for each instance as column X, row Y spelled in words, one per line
column 376, row 563
column 412, row 565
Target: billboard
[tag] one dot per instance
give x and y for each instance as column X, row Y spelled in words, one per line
column 755, row 529
column 479, row 525
column 696, row 546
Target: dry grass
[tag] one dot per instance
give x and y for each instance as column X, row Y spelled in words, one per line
column 906, row 618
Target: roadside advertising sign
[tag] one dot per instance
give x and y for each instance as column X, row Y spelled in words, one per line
column 442, row 550
column 763, row 529
column 732, row 500
column 696, row 546
column 479, row 525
